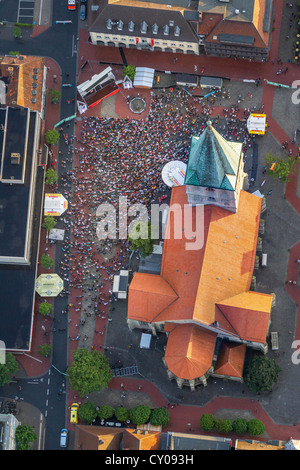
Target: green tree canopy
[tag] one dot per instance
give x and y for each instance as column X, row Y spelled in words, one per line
column 51, row 176
column 122, row 414
column 17, row 32
column 240, row 426
column 25, row 435
column 140, row 414
column 87, row 412
column 52, row 136
column 46, row 261
column 105, row 412
column 49, row 223
column 207, row 422
column 8, row 369
column 144, row 244
column 261, row 374
column 282, row 168
column 44, row 350
column 89, row 371
column 160, row 417
column 45, row 308
column 130, row 71
column 255, row 427
column 224, row 425
column 55, row 95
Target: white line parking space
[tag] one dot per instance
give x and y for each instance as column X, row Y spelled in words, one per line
column 25, row 11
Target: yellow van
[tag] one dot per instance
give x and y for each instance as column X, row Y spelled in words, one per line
column 74, row 413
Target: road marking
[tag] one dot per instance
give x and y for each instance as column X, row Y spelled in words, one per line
column 47, row 391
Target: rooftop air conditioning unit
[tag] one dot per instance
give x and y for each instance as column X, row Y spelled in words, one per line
column 15, row 158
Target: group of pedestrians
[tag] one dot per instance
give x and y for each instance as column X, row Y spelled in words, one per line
column 114, row 158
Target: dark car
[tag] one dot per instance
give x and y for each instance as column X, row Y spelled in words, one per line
column 83, row 12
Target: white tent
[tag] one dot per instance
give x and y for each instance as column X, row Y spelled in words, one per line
column 145, row 340
column 55, row 204
column 144, row 77
column 256, row 123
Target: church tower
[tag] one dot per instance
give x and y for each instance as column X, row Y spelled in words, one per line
column 215, row 170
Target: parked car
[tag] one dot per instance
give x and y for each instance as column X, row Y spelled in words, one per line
column 83, row 11
column 63, row 438
column 74, row 413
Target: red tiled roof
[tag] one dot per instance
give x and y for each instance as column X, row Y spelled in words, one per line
column 190, row 351
column 231, row 360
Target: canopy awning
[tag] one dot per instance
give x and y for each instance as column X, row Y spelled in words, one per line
column 55, row 204
column 49, row 285
column 144, row 77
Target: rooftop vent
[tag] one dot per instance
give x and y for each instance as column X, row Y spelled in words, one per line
column 131, row 26
column 155, row 29
column 109, row 23
column 120, row 25
column 34, row 85
column 35, row 77
column 166, row 30
column 237, row 11
column 15, row 158
column 34, row 92
column 176, row 31
column 171, row 23
column 144, row 27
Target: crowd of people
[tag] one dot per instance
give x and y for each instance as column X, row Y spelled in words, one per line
column 114, row 158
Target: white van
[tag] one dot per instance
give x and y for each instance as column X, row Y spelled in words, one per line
column 63, row 437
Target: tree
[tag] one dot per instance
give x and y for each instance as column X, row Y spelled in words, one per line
column 51, row 176
column 207, row 422
column 46, row 261
column 52, row 137
column 240, row 426
column 55, row 95
column 8, row 369
column 280, row 169
column 140, row 414
column 49, row 223
column 122, row 414
column 24, row 436
column 44, row 350
column 255, row 427
column 160, row 417
column 144, row 244
column 45, row 308
column 17, row 32
column 105, row 412
column 89, row 371
column 87, row 412
column 224, row 425
column 261, row 374
column 130, row 71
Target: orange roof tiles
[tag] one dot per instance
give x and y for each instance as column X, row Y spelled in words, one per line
column 237, row 28
column 149, row 295
column 135, row 439
column 190, row 351
column 231, row 360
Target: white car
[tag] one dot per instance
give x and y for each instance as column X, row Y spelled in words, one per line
column 63, row 437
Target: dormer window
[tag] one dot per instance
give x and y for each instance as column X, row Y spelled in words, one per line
column 144, row 27
column 155, row 29
column 120, row 25
column 131, row 26
column 109, row 24
column 176, row 31
column 166, row 30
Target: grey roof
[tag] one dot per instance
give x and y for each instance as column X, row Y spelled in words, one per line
column 245, row 8
column 139, row 15
column 213, row 161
